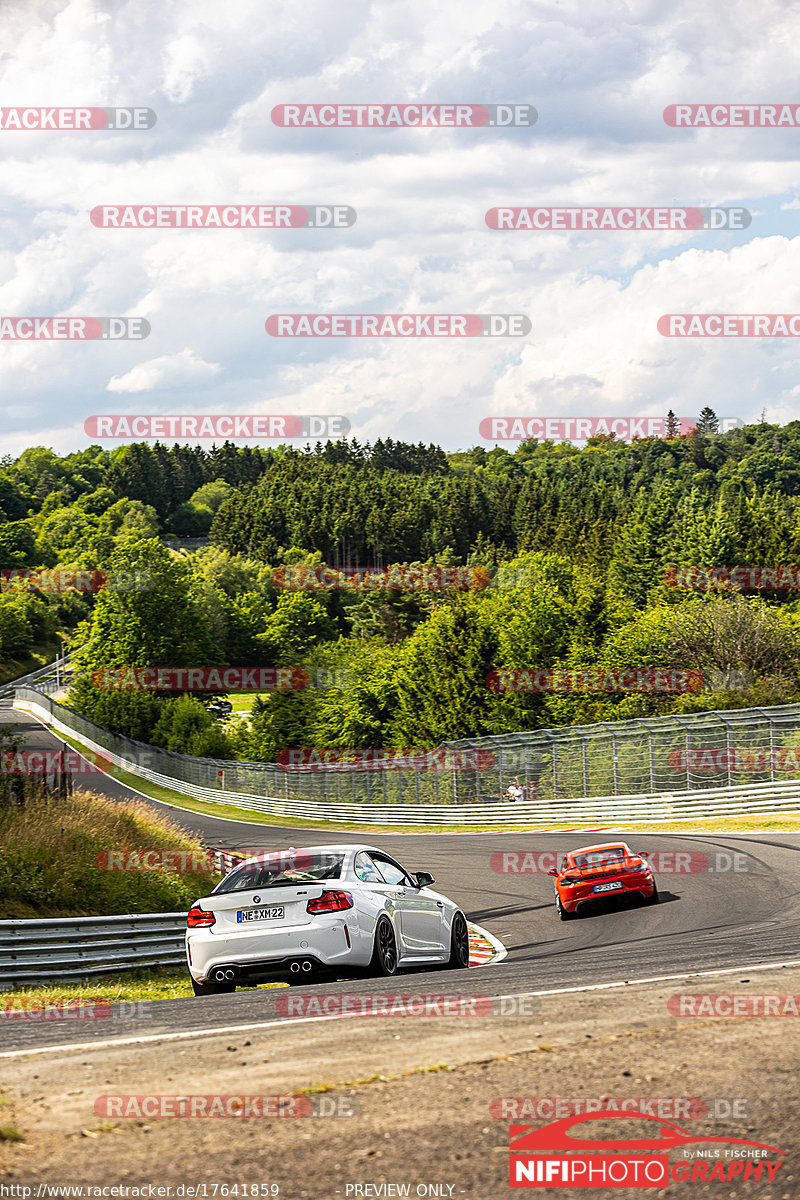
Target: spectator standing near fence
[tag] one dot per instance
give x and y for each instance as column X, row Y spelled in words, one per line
column 514, row 792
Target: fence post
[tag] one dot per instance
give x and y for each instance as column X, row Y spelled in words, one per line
column 554, row 744
column 585, row 750
column 686, row 729
column 728, row 745
column 652, row 747
column 764, row 713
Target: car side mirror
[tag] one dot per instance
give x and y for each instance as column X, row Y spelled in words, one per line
column 424, row 879
column 552, row 871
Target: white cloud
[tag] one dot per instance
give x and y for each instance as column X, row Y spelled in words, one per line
column 175, row 370
column 599, row 75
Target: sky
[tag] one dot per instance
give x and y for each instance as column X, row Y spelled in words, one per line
column 599, row 77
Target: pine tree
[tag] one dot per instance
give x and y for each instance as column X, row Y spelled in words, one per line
column 673, row 426
column 707, row 422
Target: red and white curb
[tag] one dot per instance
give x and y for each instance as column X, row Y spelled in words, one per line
column 484, row 949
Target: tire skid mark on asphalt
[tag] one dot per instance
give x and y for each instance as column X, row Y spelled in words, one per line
column 218, row 1030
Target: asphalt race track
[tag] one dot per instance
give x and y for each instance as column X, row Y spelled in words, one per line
column 733, row 902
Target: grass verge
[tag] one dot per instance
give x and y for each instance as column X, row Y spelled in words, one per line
column 153, row 983
column 14, row 668
column 54, row 857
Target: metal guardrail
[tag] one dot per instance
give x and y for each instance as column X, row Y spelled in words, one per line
column 543, row 812
column 37, row 677
column 611, row 758
column 67, row 948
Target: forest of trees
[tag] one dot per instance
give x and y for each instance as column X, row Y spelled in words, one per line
column 576, row 542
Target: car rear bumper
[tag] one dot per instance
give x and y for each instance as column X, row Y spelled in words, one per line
column 264, row 954
column 586, row 898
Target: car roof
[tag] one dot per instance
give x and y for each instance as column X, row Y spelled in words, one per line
column 353, row 847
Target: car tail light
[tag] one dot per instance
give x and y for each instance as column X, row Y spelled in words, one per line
column 570, row 880
column 330, row 902
column 198, row 916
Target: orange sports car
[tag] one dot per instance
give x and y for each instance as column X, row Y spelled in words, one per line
column 596, row 872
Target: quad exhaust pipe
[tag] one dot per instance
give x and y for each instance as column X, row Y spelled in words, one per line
column 300, row 966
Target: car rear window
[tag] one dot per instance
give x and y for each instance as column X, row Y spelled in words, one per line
column 308, row 869
column 615, row 854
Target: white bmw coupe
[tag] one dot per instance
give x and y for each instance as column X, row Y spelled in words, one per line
column 303, row 913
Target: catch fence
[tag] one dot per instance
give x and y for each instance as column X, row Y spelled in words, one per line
column 655, row 768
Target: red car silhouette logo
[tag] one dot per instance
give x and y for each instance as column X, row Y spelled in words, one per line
column 527, row 1139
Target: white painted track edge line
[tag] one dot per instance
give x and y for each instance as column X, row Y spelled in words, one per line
column 213, row 1031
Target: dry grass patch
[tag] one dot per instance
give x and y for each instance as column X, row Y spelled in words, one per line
column 51, row 848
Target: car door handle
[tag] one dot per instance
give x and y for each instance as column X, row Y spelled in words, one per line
column 439, row 904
